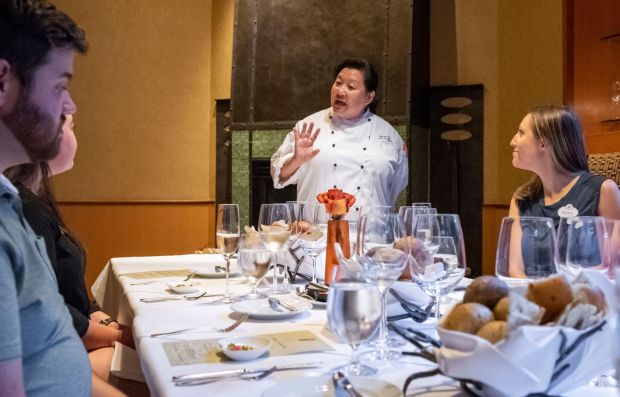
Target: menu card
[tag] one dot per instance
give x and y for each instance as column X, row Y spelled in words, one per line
column 209, row 351
column 158, row 274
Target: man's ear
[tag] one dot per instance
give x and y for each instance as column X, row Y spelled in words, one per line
column 8, row 84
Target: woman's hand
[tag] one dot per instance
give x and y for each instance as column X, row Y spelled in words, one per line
column 303, row 152
column 304, row 141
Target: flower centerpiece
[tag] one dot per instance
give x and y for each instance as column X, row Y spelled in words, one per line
column 337, row 204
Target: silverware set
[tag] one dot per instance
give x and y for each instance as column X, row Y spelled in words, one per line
column 241, row 373
column 209, row 329
column 176, row 298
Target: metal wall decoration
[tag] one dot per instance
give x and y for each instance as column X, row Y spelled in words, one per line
column 285, row 51
column 456, row 161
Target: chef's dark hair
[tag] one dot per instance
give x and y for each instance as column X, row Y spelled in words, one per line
column 371, row 78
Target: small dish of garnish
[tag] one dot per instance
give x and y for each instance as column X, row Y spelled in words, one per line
column 184, row 287
column 245, row 348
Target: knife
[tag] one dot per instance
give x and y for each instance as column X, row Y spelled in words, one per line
column 182, row 380
column 341, row 383
column 275, row 302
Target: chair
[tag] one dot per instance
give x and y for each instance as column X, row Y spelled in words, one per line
column 605, row 164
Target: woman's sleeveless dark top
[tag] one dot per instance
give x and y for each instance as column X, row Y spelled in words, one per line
column 581, row 200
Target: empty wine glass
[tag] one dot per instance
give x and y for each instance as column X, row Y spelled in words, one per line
column 585, row 239
column 313, row 238
column 253, row 260
column 274, row 228
column 526, row 248
column 409, row 212
column 424, row 228
column 353, row 314
column 227, row 238
column 439, row 273
column 382, row 263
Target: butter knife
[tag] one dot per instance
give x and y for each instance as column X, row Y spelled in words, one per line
column 186, row 380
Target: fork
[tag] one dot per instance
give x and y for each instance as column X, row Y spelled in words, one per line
column 214, row 329
column 173, row 298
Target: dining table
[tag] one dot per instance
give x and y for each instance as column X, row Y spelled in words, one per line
column 129, row 289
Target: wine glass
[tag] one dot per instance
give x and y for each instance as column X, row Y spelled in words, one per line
column 253, row 259
column 296, row 209
column 440, row 273
column 585, row 238
column 227, row 238
column 353, row 314
column 409, row 212
column 274, row 228
column 424, row 228
column 382, row 263
column 526, row 249
column 314, row 238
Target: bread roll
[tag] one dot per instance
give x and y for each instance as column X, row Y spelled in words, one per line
column 553, row 293
column 501, row 309
column 493, row 331
column 467, row 317
column 487, row 290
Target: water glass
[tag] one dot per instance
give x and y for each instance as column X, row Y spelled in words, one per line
column 585, row 239
column 526, row 248
column 353, row 315
column 253, row 260
column 274, row 227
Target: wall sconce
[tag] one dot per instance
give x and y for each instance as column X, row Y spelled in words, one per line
column 456, row 119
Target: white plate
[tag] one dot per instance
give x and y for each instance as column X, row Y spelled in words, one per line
column 207, row 270
column 260, row 309
column 322, row 386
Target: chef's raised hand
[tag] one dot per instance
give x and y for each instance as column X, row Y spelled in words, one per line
column 304, row 150
column 304, row 144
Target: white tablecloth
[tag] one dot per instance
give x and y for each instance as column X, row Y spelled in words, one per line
column 116, row 296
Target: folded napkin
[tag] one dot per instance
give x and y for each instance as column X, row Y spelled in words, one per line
column 125, row 363
column 406, row 299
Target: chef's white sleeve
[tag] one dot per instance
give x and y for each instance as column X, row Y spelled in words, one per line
column 281, row 156
column 401, row 177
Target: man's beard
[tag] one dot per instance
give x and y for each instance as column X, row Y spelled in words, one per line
column 37, row 132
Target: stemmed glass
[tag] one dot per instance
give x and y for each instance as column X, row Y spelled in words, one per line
column 382, row 263
column 409, row 213
column 227, row 238
column 353, row 314
column 441, row 274
column 585, row 240
column 526, row 248
column 253, row 259
column 314, row 239
column 274, row 228
column 425, row 227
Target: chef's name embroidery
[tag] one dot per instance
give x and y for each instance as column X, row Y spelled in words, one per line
column 385, row 139
column 568, row 211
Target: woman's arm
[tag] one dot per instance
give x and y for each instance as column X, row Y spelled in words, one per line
column 515, row 267
column 609, row 200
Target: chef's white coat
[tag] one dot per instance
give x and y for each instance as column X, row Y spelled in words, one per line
column 365, row 157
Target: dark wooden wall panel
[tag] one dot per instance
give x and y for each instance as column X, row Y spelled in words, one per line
column 293, row 47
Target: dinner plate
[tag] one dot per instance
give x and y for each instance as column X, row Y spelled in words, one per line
column 322, row 386
column 260, row 308
column 208, row 270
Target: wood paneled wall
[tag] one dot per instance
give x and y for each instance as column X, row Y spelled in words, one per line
column 492, row 215
column 591, row 66
column 139, row 229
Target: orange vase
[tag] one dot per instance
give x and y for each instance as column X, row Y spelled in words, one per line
column 337, row 231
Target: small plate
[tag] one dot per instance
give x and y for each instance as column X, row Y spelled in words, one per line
column 184, row 287
column 322, row 386
column 213, row 270
column 260, row 309
column 260, row 345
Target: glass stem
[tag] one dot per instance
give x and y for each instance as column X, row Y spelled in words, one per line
column 227, row 293
column 437, row 300
column 314, row 280
column 383, row 329
column 285, row 282
column 354, row 361
column 274, row 257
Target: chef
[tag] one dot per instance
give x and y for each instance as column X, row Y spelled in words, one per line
column 345, row 147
